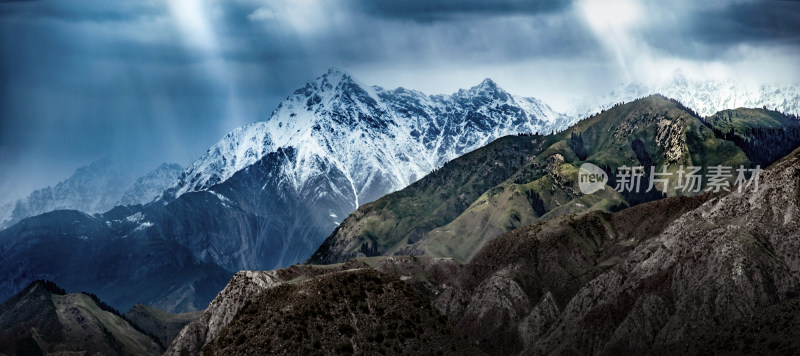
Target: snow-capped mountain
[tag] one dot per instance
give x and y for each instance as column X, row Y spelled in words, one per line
column 329, row 147
column 95, row 188
column 151, row 185
column 267, row 194
column 92, row 188
column 381, row 140
column 705, row 97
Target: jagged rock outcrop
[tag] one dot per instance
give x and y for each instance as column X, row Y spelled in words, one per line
column 723, row 261
column 355, row 311
column 243, row 287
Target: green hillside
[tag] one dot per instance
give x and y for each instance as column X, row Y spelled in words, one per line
column 454, row 211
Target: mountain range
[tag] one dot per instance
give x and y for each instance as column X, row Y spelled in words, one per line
column 268, row 194
column 94, row 188
column 706, row 97
column 484, row 234
column 708, row 273
column 517, row 181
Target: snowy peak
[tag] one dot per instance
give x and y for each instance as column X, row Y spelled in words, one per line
column 95, row 188
column 487, row 89
column 706, row 97
column 334, row 98
column 336, row 80
column 332, row 86
column 237, row 150
column 379, row 140
column 151, row 185
column 487, row 86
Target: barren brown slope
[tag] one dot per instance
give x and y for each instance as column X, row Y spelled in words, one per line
column 359, row 311
column 644, row 278
column 515, row 288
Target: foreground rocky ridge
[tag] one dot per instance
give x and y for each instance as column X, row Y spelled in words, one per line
column 359, row 311
column 645, row 279
column 242, row 288
column 430, row 276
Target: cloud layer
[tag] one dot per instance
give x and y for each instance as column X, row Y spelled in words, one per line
column 163, row 80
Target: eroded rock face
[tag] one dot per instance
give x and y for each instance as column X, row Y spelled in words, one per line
column 721, row 262
column 243, row 287
column 427, row 275
column 554, row 161
column 357, row 311
column 654, row 275
column 539, row 320
column 672, row 138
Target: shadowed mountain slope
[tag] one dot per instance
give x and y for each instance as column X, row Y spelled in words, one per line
column 42, row 319
column 159, row 324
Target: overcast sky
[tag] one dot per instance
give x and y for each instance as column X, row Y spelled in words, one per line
column 161, row 81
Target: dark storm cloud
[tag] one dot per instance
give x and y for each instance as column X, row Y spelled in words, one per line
column 371, row 32
column 80, row 78
column 434, row 10
column 775, row 22
column 706, row 30
column 82, row 10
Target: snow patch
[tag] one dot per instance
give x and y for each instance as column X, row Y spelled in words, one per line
column 143, row 226
column 135, row 218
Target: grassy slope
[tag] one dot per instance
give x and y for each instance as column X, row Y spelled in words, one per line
column 431, row 202
column 37, row 321
column 670, row 134
column 743, row 118
column 764, row 135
